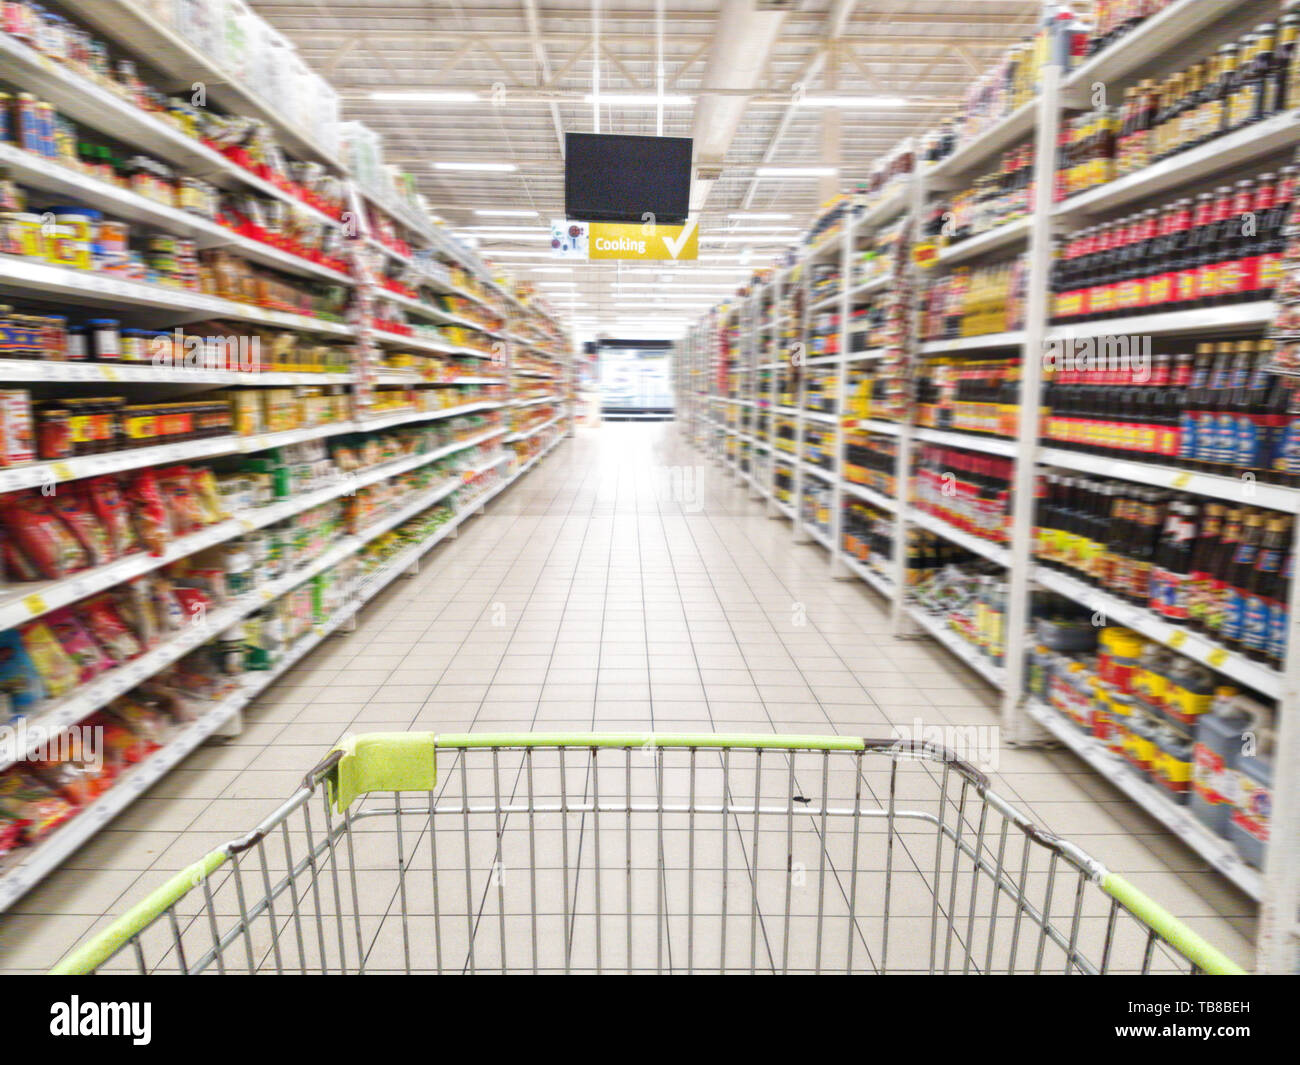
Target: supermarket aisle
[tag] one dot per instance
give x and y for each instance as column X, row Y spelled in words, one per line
column 604, row 593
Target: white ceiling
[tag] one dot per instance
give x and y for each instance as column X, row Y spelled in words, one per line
column 532, row 62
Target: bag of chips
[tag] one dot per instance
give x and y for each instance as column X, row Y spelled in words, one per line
column 25, row 798
column 88, row 656
column 58, row 671
column 184, row 512
column 71, row 506
column 208, row 496
column 80, row 780
column 19, row 679
column 11, row 833
column 108, row 629
column 41, row 537
column 110, row 506
column 151, row 521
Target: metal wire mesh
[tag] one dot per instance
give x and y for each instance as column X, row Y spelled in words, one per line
column 646, row 859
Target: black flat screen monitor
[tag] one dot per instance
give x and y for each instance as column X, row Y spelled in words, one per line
column 614, row 178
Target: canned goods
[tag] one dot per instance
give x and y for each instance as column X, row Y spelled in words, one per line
column 28, row 231
column 106, row 339
column 112, row 251
column 74, row 238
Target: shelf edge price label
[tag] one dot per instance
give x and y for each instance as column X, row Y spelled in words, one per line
column 1217, row 657
column 35, row 605
column 1182, row 480
column 1177, row 639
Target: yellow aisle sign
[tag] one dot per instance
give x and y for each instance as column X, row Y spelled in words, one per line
column 632, row 240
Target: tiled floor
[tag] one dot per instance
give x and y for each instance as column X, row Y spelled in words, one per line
column 622, row 586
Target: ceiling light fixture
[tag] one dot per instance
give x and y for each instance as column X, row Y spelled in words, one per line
column 502, row 212
column 760, row 216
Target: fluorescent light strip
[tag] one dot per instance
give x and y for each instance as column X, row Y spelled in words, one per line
column 502, row 212
column 760, row 216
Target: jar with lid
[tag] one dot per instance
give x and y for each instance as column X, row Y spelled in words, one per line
column 105, row 339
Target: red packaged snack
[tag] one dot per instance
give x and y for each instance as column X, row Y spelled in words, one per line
column 17, row 568
column 145, row 719
column 25, row 798
column 71, row 505
column 42, row 538
column 88, row 656
column 108, row 628
column 110, row 507
column 11, row 833
column 150, row 514
column 194, row 603
column 182, row 502
column 78, row 780
column 121, row 747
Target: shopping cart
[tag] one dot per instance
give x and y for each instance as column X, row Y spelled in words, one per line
column 663, row 853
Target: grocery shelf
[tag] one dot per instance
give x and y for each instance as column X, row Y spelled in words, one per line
column 818, row 534
column 55, row 178
column 526, row 433
column 1233, row 489
column 870, row 425
column 868, row 495
column 1159, row 35
column 820, row 416
column 42, row 280
column 26, row 600
column 984, row 146
column 1257, row 675
column 1273, row 135
column 868, row 575
column 973, row 544
column 891, row 202
column 414, row 342
column 1009, row 233
column 969, row 654
column 820, row 472
column 25, row 868
column 386, row 421
column 95, row 106
column 1232, row 318
column 990, row 445
column 989, row 340
column 866, row 288
column 139, row 30
column 36, row 474
column 1221, row 854
column 39, row 371
column 825, row 303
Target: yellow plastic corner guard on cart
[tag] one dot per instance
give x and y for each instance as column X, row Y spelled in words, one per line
column 834, row 854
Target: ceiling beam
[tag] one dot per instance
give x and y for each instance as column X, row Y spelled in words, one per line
column 543, row 66
column 836, row 20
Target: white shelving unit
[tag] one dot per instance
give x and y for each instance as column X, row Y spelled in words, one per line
column 1182, row 33
column 518, row 330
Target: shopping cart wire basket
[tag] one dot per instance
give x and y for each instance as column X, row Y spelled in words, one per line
column 535, row 852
